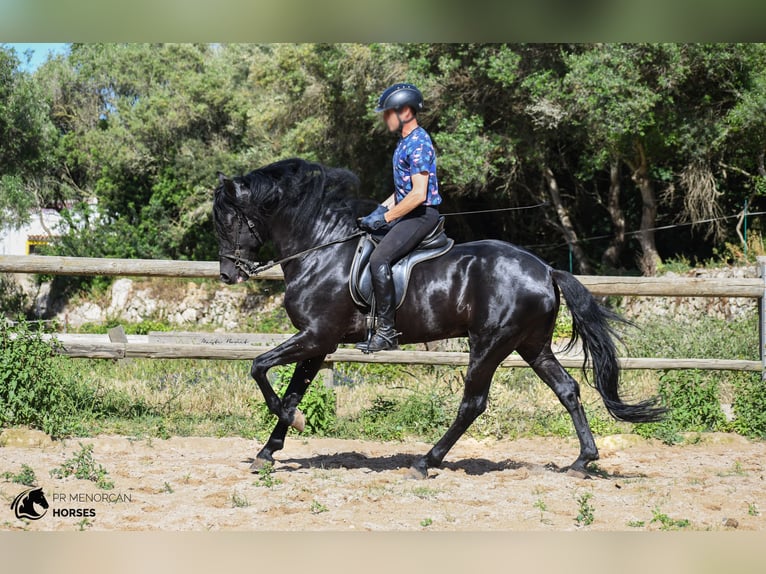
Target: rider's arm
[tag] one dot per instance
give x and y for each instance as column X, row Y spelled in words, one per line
column 416, row 196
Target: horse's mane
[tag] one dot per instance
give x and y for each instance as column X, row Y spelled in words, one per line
column 304, row 189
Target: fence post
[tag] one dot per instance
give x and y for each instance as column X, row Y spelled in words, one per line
column 762, row 315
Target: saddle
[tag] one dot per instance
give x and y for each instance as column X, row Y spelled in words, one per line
column 434, row 244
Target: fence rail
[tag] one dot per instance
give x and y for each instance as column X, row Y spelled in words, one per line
column 100, row 347
column 598, row 285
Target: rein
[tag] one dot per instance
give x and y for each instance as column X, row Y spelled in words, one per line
column 250, row 268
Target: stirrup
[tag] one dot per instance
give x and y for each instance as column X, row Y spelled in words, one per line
column 379, row 342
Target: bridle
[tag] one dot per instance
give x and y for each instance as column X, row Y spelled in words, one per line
column 251, row 268
column 243, row 265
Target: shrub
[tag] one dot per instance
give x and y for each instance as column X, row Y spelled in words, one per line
column 318, row 404
column 392, row 418
column 13, row 300
column 35, row 386
column 750, row 405
column 693, row 403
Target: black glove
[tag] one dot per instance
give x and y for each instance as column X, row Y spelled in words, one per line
column 374, row 220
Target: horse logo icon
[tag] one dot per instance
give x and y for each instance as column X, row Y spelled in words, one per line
column 24, row 505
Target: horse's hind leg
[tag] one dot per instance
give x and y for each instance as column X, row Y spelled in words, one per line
column 567, row 390
column 304, row 373
column 473, row 403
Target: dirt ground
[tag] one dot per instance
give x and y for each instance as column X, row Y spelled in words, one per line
column 201, row 484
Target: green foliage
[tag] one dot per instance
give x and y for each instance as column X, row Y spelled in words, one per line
column 36, row 387
column 702, row 336
column 13, row 300
column 666, row 522
column 266, row 476
column 585, row 515
column 393, row 418
column 26, row 476
column 317, row 507
column 318, row 403
column 84, row 466
column 750, row 405
column 693, row 402
column 239, row 500
column 144, row 128
column 142, row 327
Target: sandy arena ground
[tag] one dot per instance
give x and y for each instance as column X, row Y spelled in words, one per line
column 201, row 484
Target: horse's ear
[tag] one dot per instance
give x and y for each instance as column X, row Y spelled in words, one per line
column 228, row 185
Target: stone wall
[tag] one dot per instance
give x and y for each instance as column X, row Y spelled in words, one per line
column 690, row 308
column 229, row 308
column 183, row 304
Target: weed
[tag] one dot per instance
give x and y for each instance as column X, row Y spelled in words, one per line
column 585, row 516
column 26, row 476
column 736, row 470
column 667, row 523
column 83, row 524
column 317, row 507
column 167, row 488
column 84, row 466
column 542, row 507
column 266, row 476
column 752, row 509
column 239, row 500
column 425, row 492
column 636, row 523
column 426, row 522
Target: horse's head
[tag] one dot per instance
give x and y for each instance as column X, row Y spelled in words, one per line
column 240, row 234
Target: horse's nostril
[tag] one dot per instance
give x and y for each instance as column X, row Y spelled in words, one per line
column 225, row 278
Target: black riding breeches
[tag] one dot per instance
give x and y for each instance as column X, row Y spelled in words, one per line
column 403, row 237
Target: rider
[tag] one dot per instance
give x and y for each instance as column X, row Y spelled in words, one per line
column 414, row 213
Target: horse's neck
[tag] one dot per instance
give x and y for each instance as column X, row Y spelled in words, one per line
column 326, row 228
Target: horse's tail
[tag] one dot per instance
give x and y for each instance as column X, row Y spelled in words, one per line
column 592, row 323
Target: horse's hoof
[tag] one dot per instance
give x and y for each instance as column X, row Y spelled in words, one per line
column 419, row 471
column 578, row 473
column 417, row 474
column 259, row 463
column 299, row 421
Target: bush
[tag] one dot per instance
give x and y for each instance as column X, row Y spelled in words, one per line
column 750, row 405
column 13, row 300
column 693, row 406
column 35, row 387
column 422, row 415
column 318, row 404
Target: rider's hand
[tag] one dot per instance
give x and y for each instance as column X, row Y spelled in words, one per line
column 374, row 220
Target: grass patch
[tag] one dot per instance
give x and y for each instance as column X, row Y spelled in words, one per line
column 25, row 476
column 84, row 466
column 160, row 398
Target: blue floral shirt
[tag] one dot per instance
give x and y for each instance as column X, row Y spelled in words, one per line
column 415, row 154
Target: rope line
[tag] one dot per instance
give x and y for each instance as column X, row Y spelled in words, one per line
column 638, row 232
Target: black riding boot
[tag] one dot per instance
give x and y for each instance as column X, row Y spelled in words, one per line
column 385, row 336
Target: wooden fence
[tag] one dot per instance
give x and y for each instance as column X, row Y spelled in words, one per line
column 243, row 346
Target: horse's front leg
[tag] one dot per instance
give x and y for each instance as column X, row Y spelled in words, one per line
column 304, row 373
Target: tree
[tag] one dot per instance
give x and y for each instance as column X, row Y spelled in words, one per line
column 26, row 141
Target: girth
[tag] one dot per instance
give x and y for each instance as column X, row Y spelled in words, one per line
column 436, row 243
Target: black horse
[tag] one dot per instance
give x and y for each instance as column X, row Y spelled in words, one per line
column 501, row 297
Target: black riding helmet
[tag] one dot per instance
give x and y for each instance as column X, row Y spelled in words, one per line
column 399, row 95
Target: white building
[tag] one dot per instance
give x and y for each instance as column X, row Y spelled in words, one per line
column 40, row 229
